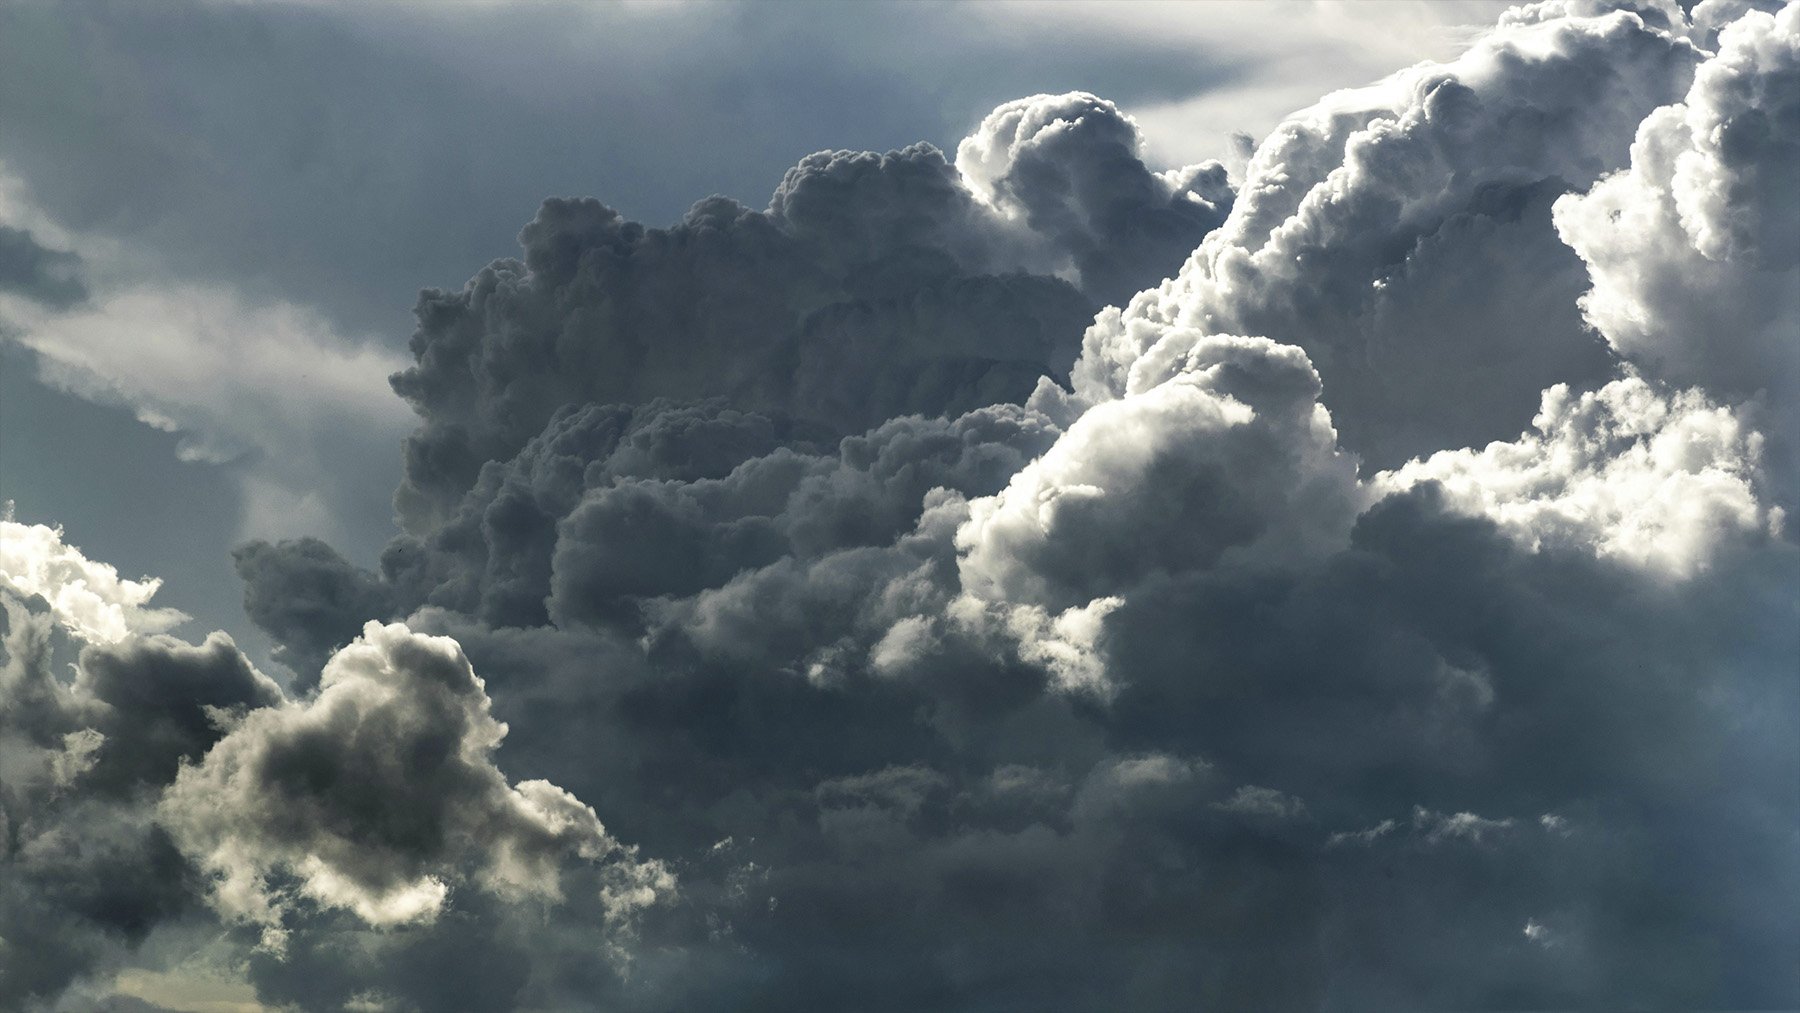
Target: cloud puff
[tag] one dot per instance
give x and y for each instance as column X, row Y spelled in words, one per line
column 1401, row 235
column 88, row 597
column 163, row 774
column 873, row 286
column 309, row 598
column 1628, row 471
column 378, row 794
column 1069, row 168
column 781, row 507
column 86, row 873
column 1232, row 459
column 1693, row 250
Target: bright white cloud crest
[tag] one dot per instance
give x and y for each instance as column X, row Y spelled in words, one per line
column 88, row 598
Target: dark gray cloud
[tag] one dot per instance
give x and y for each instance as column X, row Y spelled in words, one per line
column 1034, row 847
column 905, row 675
column 1138, row 692
column 874, row 286
column 165, row 778
column 309, row 599
column 86, row 875
column 161, row 702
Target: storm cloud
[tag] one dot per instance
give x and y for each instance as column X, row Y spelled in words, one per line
column 873, row 286
column 1028, row 579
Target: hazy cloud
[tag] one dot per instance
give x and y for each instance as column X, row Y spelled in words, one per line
column 45, row 275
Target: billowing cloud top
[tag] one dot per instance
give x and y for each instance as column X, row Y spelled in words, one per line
column 1029, row 580
column 87, row 596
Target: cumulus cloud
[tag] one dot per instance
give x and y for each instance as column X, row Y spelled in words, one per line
column 1070, row 169
column 1628, row 471
column 309, row 598
column 1272, row 655
column 1693, row 249
column 873, row 286
column 376, row 793
column 162, row 774
column 1401, row 235
column 88, row 872
column 88, row 597
column 1230, row 460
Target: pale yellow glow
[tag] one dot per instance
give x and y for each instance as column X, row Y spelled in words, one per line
column 188, row 992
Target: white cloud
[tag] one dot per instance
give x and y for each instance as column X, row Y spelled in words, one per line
column 1231, row 459
column 88, row 598
column 1694, row 250
column 1659, row 480
column 230, row 376
column 1290, row 54
column 1397, row 233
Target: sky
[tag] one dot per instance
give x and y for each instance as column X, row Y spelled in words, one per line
column 900, row 506
column 296, row 173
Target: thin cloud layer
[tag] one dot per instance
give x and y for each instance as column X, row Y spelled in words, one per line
column 1390, row 605
column 38, row 273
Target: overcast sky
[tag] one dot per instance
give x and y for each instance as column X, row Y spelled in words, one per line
column 964, row 506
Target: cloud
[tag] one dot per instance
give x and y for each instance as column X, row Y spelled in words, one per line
column 87, row 873
column 272, row 391
column 164, row 775
column 1069, row 167
column 88, row 597
column 309, row 598
column 44, row 275
column 1692, row 250
column 1232, row 459
column 874, row 286
column 1401, row 235
column 375, row 794
column 1629, row 471
column 1274, row 655
column 271, row 368
column 1138, row 688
